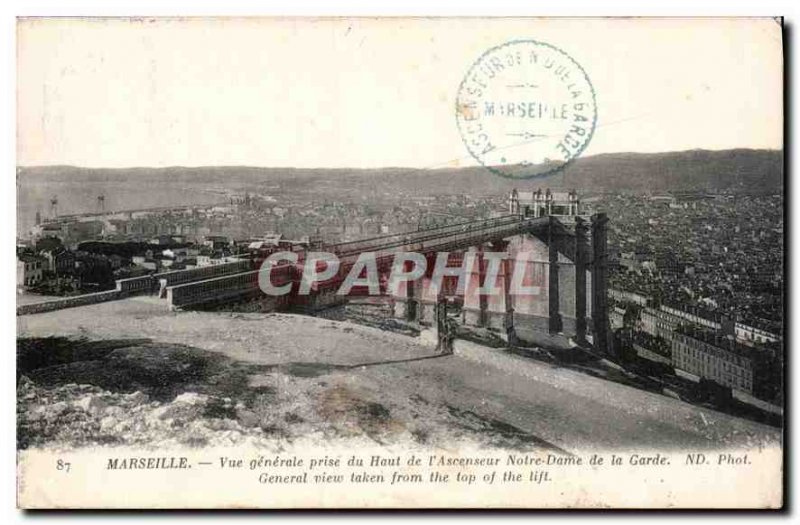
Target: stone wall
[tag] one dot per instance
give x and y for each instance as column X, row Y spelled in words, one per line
column 69, row 302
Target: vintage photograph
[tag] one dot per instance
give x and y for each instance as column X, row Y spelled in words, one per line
column 400, row 262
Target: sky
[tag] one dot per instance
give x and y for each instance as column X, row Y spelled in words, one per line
column 369, row 92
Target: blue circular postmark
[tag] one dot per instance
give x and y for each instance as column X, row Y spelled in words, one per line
column 526, row 109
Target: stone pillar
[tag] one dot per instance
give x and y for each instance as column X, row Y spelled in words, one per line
column 400, row 301
column 425, row 301
column 508, row 320
column 426, row 296
column 325, row 298
column 484, row 302
column 406, row 300
column 500, row 303
column 580, row 281
column 529, row 267
column 554, row 325
column 475, row 303
column 599, row 286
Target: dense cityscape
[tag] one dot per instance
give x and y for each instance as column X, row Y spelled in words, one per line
column 693, row 261
column 721, row 253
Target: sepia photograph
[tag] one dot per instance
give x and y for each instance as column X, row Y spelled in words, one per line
column 365, row 262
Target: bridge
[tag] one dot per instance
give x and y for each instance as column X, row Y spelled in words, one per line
column 562, row 262
column 559, row 260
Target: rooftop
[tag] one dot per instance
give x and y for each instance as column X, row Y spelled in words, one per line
column 714, row 338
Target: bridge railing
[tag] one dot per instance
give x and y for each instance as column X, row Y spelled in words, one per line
column 68, row 302
column 204, row 272
column 452, row 238
column 440, row 241
column 218, row 288
column 399, row 239
column 361, row 244
column 150, row 283
column 132, row 285
column 466, row 235
column 473, row 236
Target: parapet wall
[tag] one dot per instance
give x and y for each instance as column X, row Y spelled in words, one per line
column 69, row 302
column 145, row 284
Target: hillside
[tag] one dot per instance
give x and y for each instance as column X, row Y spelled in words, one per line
column 742, row 170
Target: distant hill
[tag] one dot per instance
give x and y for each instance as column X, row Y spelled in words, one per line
column 744, row 170
column 740, row 169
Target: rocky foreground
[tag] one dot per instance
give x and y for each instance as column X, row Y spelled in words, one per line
column 84, row 415
column 161, row 395
column 131, row 373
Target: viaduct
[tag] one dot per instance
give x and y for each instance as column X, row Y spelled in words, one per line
column 560, row 256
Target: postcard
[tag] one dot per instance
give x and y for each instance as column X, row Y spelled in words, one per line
column 406, row 263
